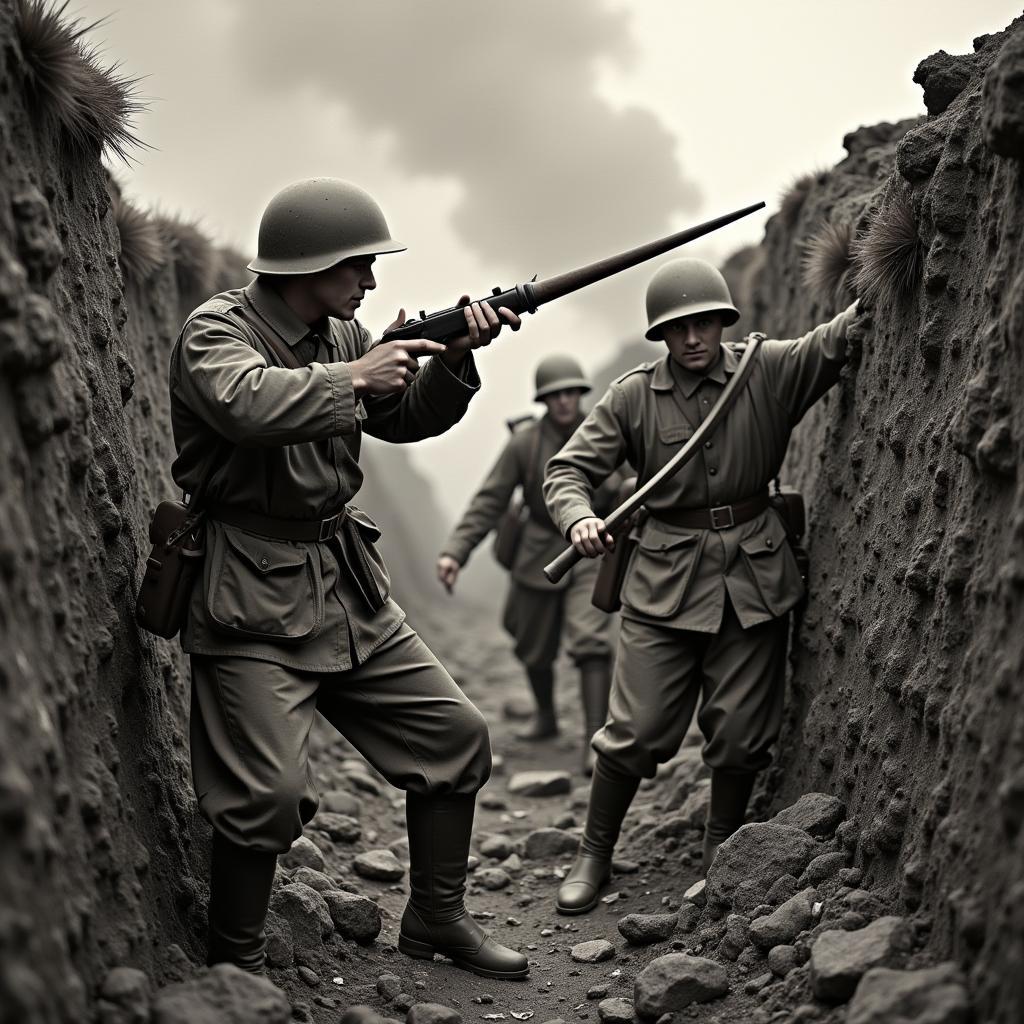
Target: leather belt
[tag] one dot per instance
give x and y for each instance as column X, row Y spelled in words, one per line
column 719, row 518
column 277, row 529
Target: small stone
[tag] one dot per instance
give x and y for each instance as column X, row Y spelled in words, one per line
column 687, row 917
column 492, row 878
column 125, row 997
column 736, row 938
column 615, row 1011
column 822, row 868
column 306, row 912
column 935, row 995
column 512, row 864
column 786, row 923
column 550, row 843
column 755, row 985
column 340, row 801
column 355, row 917
column 540, row 783
column 388, row 986
column 675, row 981
column 400, row 848
column 643, row 929
column 304, row 853
column 593, row 952
column 360, row 1014
column 625, row 867
column 493, row 802
column 340, row 827
column 781, row 960
column 280, row 944
column 403, row 1002
column 380, row 865
column 310, row 977
column 497, row 847
column 818, row 814
column 839, row 959
column 696, row 893
column 597, row 992
column 433, row 1013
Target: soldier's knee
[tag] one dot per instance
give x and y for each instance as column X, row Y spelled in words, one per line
column 278, row 813
column 464, row 761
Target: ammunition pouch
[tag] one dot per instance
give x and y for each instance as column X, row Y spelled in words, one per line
column 178, row 543
column 789, row 504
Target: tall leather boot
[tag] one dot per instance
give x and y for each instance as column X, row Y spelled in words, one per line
column 611, row 793
column 435, row 918
column 240, row 884
column 595, row 683
column 544, row 724
column 730, row 793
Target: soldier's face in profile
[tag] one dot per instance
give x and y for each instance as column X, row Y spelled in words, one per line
column 340, row 289
column 564, row 406
column 694, row 341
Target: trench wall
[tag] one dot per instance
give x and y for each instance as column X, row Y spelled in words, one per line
column 908, row 668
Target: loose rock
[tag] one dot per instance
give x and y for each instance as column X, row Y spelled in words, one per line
column 674, row 981
column 782, row 959
column 355, row 917
column 816, row 813
column 492, row 878
column 280, row 944
column 497, row 847
column 340, row 827
column 643, row 929
column 433, row 1013
column 550, row 843
column 839, row 959
column 314, row 879
column 340, row 801
column 125, row 997
column 304, row 853
column 615, row 1011
column 388, row 986
column 222, row 995
column 786, row 923
column 540, row 783
column 936, row 995
column 380, row 865
column 593, row 952
column 305, row 911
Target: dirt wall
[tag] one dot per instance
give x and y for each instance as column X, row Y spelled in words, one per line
column 907, row 686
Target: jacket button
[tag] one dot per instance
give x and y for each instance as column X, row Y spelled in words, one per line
column 768, row 542
column 707, row 444
column 712, row 471
column 265, row 562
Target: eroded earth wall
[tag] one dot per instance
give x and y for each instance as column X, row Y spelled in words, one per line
column 908, row 679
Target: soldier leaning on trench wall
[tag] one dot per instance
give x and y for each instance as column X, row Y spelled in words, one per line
column 537, row 615
column 707, row 593
column 292, row 613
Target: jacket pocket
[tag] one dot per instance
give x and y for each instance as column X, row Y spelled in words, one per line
column 772, row 566
column 263, row 589
column 659, row 577
column 371, row 573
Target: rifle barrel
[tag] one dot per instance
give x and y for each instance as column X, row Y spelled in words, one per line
column 563, row 284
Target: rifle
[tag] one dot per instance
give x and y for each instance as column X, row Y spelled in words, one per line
column 528, row 297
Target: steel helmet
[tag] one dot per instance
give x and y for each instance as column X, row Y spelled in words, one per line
column 683, row 287
column 559, row 373
column 318, row 222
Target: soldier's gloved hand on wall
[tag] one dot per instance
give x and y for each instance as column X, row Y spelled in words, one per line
column 590, row 537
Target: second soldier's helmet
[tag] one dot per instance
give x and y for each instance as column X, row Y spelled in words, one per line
column 559, row 373
column 316, row 223
column 683, row 287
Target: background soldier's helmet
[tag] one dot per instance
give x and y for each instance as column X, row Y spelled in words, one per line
column 316, row 223
column 559, row 373
column 683, row 287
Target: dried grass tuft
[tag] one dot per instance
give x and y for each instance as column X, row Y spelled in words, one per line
column 827, row 263
column 793, row 199
column 67, row 81
column 889, row 259
column 194, row 257
column 143, row 250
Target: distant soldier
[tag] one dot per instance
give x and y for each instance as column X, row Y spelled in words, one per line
column 536, row 614
column 272, row 386
column 706, row 594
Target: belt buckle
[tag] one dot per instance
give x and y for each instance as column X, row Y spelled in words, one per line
column 329, row 527
column 721, row 510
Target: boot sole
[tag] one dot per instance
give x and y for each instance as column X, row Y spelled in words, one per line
column 425, row 951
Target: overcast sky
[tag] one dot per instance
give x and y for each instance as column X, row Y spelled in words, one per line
column 508, row 139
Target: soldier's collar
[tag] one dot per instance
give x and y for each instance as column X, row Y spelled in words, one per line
column 280, row 316
column 668, row 374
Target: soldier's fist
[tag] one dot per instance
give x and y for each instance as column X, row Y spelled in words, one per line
column 390, row 366
column 590, row 537
column 448, row 572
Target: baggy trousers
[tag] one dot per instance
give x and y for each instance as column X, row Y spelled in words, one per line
column 659, row 676
column 251, row 720
column 536, row 619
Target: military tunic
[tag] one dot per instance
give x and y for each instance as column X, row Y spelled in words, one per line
column 702, row 609
column 278, row 629
column 536, row 613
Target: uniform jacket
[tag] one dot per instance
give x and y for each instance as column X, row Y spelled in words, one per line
column 678, row 578
column 296, row 438
column 521, row 464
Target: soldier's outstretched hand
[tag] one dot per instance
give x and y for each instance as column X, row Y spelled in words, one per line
column 448, row 572
column 483, row 325
column 590, row 537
